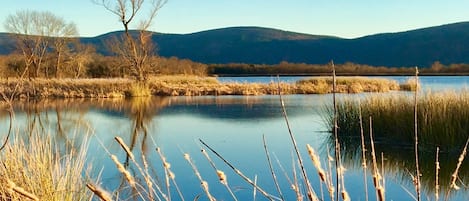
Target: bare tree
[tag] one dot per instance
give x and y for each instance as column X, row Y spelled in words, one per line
column 37, row 32
column 80, row 58
column 62, row 34
column 135, row 48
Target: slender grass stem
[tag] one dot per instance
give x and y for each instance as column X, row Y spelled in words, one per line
column 221, row 175
column 454, row 176
column 271, row 168
column 364, row 163
column 336, row 127
column 292, row 183
column 416, row 137
column 310, row 192
column 169, row 174
column 238, row 172
column 203, row 183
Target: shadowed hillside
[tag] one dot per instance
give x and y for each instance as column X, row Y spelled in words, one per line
column 447, row 44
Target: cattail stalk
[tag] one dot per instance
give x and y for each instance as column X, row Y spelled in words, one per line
column 330, row 186
column 311, row 194
column 238, row 172
column 296, row 186
column 130, row 179
column 416, row 137
column 221, row 175
column 166, row 167
column 316, row 162
column 292, row 184
column 335, row 130
column 454, row 176
column 125, row 147
column 102, row 195
column 203, row 183
column 376, row 174
column 364, row 163
column 148, row 180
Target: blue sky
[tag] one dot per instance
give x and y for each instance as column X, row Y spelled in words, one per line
column 343, row 18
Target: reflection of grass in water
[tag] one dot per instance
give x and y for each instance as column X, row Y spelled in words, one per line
column 35, row 168
column 148, row 186
column 398, row 160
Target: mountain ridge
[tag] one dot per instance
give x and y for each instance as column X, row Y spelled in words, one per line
column 447, row 43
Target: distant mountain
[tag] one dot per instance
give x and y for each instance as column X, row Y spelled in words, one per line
column 447, row 44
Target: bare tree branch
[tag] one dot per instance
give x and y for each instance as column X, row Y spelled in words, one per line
column 134, row 49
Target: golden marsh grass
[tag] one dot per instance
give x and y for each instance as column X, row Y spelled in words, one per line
column 182, row 86
column 35, row 169
column 443, row 118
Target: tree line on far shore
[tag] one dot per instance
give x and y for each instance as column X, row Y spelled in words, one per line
column 93, row 65
column 348, row 68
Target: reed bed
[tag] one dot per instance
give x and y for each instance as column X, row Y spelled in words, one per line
column 443, row 119
column 182, row 86
column 35, row 169
column 349, row 85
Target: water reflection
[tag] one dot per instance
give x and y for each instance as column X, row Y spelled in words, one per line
column 140, row 112
column 399, row 163
column 44, row 117
column 234, row 125
column 234, row 108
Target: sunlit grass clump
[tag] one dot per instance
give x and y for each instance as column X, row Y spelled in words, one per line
column 139, row 90
column 443, row 118
column 409, row 85
column 323, row 85
column 35, row 169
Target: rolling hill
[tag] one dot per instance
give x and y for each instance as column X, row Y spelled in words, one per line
column 447, row 44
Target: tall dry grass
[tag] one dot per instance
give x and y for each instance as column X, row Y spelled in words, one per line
column 443, row 118
column 182, row 85
column 35, row 168
column 324, row 85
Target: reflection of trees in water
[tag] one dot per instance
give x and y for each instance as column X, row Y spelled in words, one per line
column 237, row 108
column 399, row 161
column 141, row 111
column 40, row 118
column 66, row 117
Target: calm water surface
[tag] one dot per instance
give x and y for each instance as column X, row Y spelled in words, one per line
column 234, row 126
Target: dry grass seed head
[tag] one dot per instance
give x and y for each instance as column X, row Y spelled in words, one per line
column 345, row 195
column 316, row 162
column 123, row 171
column 125, row 147
column 221, row 175
column 102, row 194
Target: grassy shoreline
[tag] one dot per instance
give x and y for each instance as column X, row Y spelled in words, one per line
column 182, row 86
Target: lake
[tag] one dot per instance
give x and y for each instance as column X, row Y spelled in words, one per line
column 232, row 125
